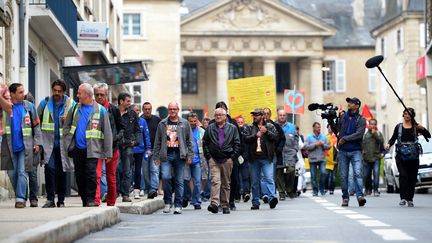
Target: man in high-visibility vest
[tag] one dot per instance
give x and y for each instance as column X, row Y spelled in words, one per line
column 21, row 142
column 53, row 111
column 87, row 138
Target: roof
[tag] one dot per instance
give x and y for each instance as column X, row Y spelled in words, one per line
column 337, row 13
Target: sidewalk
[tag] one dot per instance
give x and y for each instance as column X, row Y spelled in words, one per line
column 65, row 224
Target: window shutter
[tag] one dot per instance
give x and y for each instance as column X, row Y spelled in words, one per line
column 340, row 76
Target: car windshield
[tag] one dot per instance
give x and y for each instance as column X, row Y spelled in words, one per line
column 427, row 146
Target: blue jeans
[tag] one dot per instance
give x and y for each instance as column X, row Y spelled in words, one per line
column 314, row 176
column 103, row 182
column 150, row 178
column 330, row 182
column 355, row 159
column 174, row 161
column 264, row 191
column 244, row 177
column 19, row 176
column 351, row 185
column 265, row 167
column 368, row 168
column 193, row 171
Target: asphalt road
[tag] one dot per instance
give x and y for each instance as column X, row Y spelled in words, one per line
column 304, row 219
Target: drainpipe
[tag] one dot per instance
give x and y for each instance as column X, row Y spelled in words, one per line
column 22, row 43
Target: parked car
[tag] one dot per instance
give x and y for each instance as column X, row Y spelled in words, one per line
column 424, row 177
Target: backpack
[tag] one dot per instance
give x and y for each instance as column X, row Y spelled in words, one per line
column 408, row 150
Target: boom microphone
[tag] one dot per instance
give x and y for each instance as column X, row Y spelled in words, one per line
column 313, row 106
column 374, row 61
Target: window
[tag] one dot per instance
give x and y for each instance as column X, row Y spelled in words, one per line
column 334, row 76
column 328, row 75
column 372, row 76
column 132, row 25
column 136, row 94
column 283, row 77
column 399, row 40
column 189, row 78
column 236, row 70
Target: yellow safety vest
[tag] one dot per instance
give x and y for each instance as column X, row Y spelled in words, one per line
column 27, row 131
column 94, row 132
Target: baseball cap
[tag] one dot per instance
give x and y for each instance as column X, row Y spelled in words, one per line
column 354, row 100
column 257, row 111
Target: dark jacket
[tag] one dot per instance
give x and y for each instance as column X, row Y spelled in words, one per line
column 116, row 124
column 230, row 147
column 353, row 140
column 280, row 143
column 131, row 129
column 269, row 139
column 152, row 125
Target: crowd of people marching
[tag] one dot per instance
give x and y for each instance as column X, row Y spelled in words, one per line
column 114, row 151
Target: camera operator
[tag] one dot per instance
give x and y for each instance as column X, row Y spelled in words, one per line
column 352, row 128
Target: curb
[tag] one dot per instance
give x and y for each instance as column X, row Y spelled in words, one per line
column 143, row 207
column 70, row 228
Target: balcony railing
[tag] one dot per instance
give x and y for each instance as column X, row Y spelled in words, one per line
column 65, row 12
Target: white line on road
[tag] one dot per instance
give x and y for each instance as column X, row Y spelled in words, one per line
column 373, row 223
column 393, row 234
column 345, row 212
column 357, row 216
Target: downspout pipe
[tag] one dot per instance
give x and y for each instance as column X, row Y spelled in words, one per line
column 22, row 34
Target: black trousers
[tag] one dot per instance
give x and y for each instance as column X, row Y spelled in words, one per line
column 408, row 170
column 85, row 174
column 55, row 177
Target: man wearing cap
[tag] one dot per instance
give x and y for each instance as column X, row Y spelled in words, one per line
column 261, row 137
column 352, row 127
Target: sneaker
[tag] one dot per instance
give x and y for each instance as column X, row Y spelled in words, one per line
column 246, row 197
column 361, row 201
column 282, row 198
column 213, row 208
column 20, row 204
column 49, row 204
column 323, row 193
column 345, row 203
column 142, row 193
column 402, row 202
column 197, row 207
column 177, row 210
column 225, row 211
column 273, row 202
column 368, row 192
column 152, row 195
column 232, row 206
column 33, row 203
column 104, row 197
column 265, row 199
column 136, row 194
column 255, row 207
column 60, row 204
column 126, row 199
column 410, row 204
column 185, row 203
column 376, row 194
column 331, row 192
column 92, row 204
column 315, row 194
column 167, row 208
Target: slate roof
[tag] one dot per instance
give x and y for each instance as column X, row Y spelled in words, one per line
column 337, row 13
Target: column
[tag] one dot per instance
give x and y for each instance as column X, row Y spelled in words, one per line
column 270, row 67
column 221, row 79
column 316, row 89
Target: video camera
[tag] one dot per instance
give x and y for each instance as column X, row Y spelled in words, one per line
column 329, row 113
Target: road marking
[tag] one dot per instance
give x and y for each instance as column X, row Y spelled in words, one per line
column 388, row 234
column 215, row 240
column 373, row 223
column 357, row 216
column 393, row 234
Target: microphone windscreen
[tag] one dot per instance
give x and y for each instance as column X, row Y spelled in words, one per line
column 313, row 106
column 374, row 61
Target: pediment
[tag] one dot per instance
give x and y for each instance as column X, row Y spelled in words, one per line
column 249, row 17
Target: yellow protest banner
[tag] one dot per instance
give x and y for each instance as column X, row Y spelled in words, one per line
column 246, row 94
